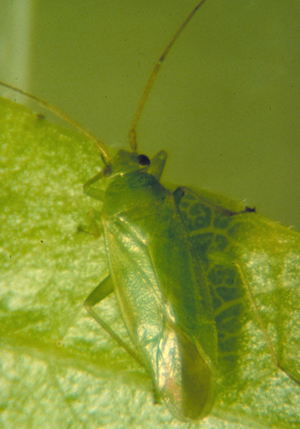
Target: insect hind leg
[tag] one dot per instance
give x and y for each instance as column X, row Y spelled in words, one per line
column 104, row 289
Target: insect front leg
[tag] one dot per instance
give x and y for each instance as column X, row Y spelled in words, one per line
column 97, row 194
column 94, row 215
column 158, row 163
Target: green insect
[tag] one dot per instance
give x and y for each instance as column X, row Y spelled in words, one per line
column 158, row 278
column 162, row 257
column 157, row 274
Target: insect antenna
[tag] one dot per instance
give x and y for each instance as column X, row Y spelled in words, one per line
column 102, row 148
column 132, row 132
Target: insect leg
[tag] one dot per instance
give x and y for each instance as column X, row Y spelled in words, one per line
column 98, row 194
column 94, row 228
column 104, row 289
column 158, row 163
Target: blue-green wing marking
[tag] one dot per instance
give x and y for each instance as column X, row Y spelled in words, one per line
column 225, row 243
column 209, row 231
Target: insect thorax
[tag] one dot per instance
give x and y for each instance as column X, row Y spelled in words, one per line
column 133, row 190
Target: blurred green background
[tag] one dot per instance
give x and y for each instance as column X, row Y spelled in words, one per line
column 225, row 105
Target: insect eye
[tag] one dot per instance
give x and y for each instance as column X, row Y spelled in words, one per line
column 143, row 160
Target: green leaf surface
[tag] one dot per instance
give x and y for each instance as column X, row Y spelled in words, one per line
column 58, row 368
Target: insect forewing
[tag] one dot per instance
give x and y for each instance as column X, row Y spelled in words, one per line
column 185, row 379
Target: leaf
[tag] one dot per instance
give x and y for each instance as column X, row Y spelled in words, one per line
column 58, row 369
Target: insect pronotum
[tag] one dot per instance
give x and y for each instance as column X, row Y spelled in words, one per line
column 157, row 269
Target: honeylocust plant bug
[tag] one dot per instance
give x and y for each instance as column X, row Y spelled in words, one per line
column 158, row 268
